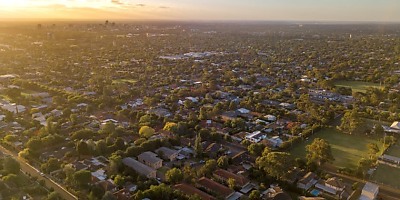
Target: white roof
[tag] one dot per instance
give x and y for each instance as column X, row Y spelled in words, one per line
column 243, row 110
column 395, row 125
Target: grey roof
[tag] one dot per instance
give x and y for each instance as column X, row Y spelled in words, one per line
column 138, row 166
column 370, row 187
column 167, row 151
column 149, row 157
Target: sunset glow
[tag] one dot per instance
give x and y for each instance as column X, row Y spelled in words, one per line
column 355, row 10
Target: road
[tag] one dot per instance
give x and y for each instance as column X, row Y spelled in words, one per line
column 28, row 169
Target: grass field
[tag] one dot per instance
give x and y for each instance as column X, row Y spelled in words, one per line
column 394, row 150
column 346, row 149
column 357, row 86
column 387, row 175
column 117, row 81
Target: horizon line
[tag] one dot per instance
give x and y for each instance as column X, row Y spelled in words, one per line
column 326, row 21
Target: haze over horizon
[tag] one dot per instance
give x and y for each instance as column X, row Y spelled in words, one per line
column 307, row 10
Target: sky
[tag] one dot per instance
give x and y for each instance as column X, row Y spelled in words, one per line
column 186, row 10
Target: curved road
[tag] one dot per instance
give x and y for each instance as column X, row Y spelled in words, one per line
column 29, row 169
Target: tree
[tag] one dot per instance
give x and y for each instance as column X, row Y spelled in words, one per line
column 34, row 144
column 54, row 196
column 170, row 126
column 256, row 149
column 379, row 130
column 73, row 118
column 363, row 166
column 82, row 177
column 319, row 151
column 275, row 164
column 223, row 162
column 174, row 175
column 82, row 134
column 351, row 121
column 203, row 115
column 11, row 166
column 255, row 195
column 146, row 131
column 96, row 192
column 231, row 183
column 198, row 147
column 108, row 128
column 208, row 168
column 82, row 148
column 373, row 149
column 51, row 165
column 389, row 140
column 119, row 180
column 108, row 196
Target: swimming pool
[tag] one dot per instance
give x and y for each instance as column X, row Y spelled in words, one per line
column 315, row 192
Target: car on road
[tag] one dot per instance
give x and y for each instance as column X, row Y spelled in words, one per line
column 42, row 174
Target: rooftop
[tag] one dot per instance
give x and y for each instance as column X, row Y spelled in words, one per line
column 190, row 190
column 215, row 187
column 149, row 157
column 138, row 166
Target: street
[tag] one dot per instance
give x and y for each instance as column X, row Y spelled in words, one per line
column 28, row 169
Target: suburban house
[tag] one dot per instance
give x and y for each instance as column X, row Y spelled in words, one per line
column 394, row 128
column 270, row 118
column 274, row 142
column 140, row 168
column 213, row 187
column 333, row 186
column 191, row 191
column 224, row 176
column 167, row 153
column 309, row 180
column 390, row 159
column 369, row 192
column 275, row 193
column 395, row 125
column 150, row 159
column 213, row 150
column 256, row 136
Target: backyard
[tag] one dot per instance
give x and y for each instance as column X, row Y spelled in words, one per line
column 357, row 86
column 394, row 150
column 346, row 149
column 387, row 175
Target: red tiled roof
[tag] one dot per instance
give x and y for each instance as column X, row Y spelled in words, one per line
column 190, row 190
column 215, row 187
column 240, row 180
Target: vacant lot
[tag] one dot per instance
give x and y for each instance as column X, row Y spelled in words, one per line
column 357, row 86
column 346, row 149
column 387, row 175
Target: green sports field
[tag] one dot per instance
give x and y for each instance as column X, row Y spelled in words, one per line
column 357, row 86
column 346, row 149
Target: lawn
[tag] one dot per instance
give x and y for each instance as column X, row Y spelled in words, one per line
column 394, row 150
column 346, row 149
column 118, row 81
column 387, row 175
column 357, row 86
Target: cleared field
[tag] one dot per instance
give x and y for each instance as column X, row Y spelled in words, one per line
column 346, row 149
column 357, row 86
column 117, row 81
column 387, row 175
